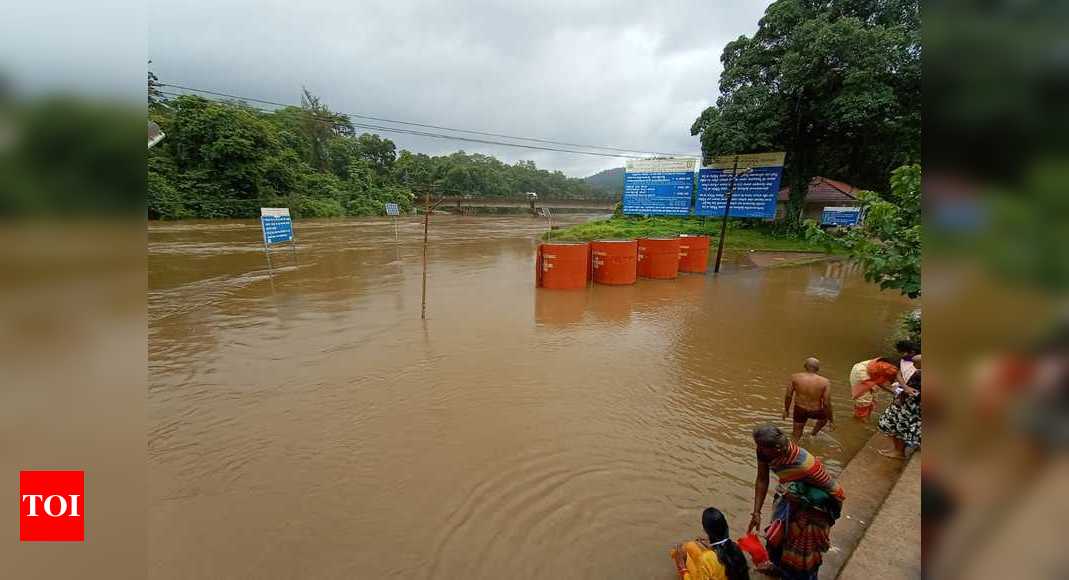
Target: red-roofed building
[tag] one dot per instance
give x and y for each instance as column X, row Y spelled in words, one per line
column 822, row 192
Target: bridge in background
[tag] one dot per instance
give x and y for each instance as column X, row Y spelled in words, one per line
column 461, row 203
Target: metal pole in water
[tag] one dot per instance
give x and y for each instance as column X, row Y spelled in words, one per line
column 426, row 229
column 724, row 222
column 396, row 239
column 267, row 253
column 270, row 270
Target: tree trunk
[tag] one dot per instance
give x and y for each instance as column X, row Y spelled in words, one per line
column 796, row 203
column 800, row 177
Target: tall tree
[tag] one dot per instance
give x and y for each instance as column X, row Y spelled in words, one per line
column 154, row 94
column 320, row 125
column 834, row 83
column 378, row 152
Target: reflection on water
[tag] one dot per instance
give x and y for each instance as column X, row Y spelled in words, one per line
column 829, row 282
column 311, row 425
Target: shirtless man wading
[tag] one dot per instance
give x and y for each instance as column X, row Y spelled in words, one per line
column 812, row 399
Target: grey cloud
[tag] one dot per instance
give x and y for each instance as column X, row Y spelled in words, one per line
column 627, row 73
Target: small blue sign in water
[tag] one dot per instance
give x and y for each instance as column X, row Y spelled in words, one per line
column 840, row 216
column 393, row 209
column 277, row 225
column 658, row 186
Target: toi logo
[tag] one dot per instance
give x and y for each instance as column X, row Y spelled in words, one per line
column 51, row 506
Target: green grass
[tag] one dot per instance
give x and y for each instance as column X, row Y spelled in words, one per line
column 745, row 238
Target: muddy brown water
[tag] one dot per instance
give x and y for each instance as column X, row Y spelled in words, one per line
column 311, row 425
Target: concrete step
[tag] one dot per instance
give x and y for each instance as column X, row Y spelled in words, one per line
column 867, row 480
column 891, row 546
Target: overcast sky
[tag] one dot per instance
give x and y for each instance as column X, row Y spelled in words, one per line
column 633, row 74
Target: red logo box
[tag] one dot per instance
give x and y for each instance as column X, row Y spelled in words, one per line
column 52, row 506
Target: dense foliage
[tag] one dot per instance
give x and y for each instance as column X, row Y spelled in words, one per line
column 226, row 160
column 888, row 243
column 68, row 155
column 834, row 83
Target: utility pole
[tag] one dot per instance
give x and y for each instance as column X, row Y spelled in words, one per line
column 727, row 209
column 428, row 208
column 426, row 230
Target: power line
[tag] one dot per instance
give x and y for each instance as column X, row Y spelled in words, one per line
column 448, row 137
column 489, row 142
column 443, row 128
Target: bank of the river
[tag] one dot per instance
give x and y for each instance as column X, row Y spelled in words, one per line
column 637, row 227
column 880, row 523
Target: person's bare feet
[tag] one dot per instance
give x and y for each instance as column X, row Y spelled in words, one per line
column 891, row 454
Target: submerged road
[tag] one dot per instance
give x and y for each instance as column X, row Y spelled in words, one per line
column 310, row 425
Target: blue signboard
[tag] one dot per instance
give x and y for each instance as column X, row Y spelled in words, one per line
column 840, row 216
column 393, row 209
column 756, row 186
column 276, row 224
column 658, row 186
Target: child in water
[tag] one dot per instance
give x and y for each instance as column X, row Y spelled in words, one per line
column 719, row 558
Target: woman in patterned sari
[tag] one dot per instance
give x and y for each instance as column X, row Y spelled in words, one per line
column 902, row 419
column 807, row 502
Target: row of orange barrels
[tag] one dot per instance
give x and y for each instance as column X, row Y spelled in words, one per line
column 569, row 265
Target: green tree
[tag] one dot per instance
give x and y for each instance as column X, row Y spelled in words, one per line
column 320, row 125
column 154, row 94
column 834, row 83
column 380, row 153
column 888, row 242
column 226, row 159
column 413, row 169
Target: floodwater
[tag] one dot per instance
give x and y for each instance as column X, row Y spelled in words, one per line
column 309, row 424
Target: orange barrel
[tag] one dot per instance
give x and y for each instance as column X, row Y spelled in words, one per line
column 614, row 261
column 562, row 265
column 693, row 253
column 658, row 258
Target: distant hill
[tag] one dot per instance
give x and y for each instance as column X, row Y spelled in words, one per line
column 610, row 180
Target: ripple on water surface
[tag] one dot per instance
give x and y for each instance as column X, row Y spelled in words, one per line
column 305, row 422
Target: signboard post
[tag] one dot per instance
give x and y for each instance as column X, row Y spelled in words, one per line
column 727, row 210
column 277, row 228
column 841, row 216
column 426, row 231
column 549, row 222
column 658, row 186
column 393, row 210
column 739, row 186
